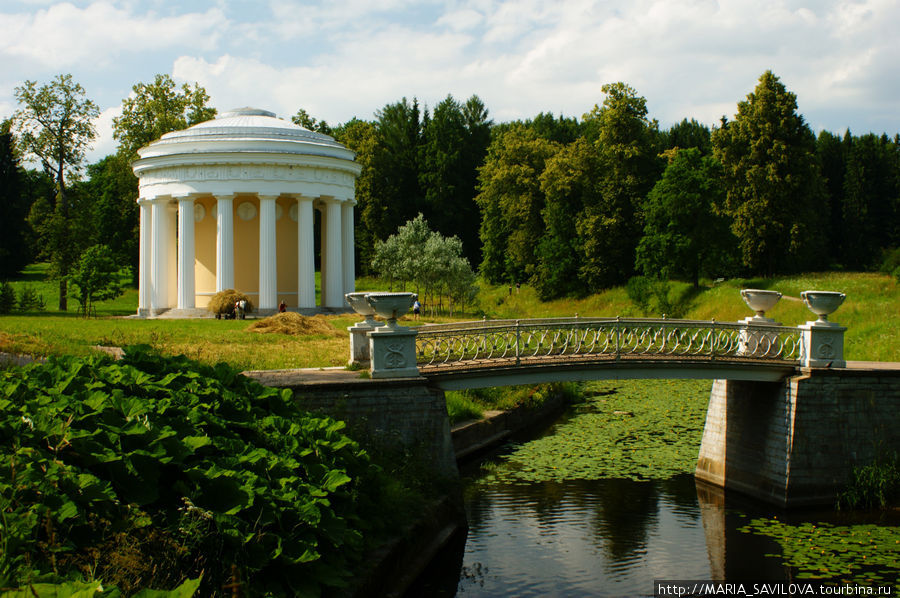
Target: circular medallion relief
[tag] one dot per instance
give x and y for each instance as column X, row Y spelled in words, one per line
column 293, row 212
column 199, row 212
column 246, row 211
column 279, row 211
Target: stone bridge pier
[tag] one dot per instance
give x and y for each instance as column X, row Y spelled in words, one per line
column 795, row 443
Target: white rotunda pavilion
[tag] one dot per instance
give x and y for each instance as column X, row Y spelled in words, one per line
column 228, row 203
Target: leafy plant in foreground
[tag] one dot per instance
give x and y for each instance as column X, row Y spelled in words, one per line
column 205, row 468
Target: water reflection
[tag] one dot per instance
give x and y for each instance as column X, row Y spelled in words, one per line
column 584, row 538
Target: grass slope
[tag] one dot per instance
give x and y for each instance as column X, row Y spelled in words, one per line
column 870, row 313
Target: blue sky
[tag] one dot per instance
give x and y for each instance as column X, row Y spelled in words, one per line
column 345, row 58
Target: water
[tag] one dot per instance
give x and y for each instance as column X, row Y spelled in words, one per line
column 596, row 538
column 610, row 537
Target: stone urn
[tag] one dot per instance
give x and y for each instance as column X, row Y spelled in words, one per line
column 391, row 306
column 823, row 303
column 358, row 303
column 760, row 301
column 359, row 341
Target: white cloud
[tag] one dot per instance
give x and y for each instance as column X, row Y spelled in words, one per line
column 345, row 58
column 64, row 35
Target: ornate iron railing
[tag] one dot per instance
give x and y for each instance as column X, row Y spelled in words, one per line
column 517, row 340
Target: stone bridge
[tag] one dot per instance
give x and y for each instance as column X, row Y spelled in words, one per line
column 788, row 417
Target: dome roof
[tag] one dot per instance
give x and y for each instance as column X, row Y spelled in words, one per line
column 245, row 130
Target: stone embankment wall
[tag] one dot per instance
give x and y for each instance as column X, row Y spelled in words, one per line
column 796, row 443
column 404, row 417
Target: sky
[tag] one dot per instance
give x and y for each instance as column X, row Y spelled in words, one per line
column 341, row 59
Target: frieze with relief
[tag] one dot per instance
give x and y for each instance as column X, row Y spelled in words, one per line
column 262, row 172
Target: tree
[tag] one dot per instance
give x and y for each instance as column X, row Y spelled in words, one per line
column 683, row 235
column 14, row 205
column 772, row 180
column 570, row 182
column 303, row 119
column 396, row 193
column 55, row 126
column 832, row 151
column 688, row 134
column 870, row 207
column 434, row 263
column 359, row 136
column 154, row 109
column 97, row 277
column 610, row 225
column 560, row 129
column 396, row 257
column 110, row 192
column 454, row 143
column 511, row 201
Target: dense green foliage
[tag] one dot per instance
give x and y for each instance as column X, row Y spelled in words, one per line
column 149, row 471
column 14, row 205
column 569, row 205
column 684, row 238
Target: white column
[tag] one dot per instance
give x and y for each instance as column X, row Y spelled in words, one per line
column 171, row 217
column 268, row 274
column 144, row 261
column 306, row 248
column 159, row 259
column 332, row 261
column 348, row 251
column 186, row 294
column 224, row 242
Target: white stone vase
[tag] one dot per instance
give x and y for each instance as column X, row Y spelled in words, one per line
column 822, row 303
column 760, row 301
column 358, row 303
column 391, row 306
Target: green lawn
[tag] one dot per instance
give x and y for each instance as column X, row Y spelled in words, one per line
column 871, row 313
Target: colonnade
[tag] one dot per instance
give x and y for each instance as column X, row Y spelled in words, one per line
column 168, row 252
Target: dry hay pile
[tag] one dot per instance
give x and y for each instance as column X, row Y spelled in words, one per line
column 293, row 323
column 223, row 302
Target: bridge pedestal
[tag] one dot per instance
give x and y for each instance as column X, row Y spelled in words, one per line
column 359, row 342
column 823, row 345
column 393, row 352
column 796, row 442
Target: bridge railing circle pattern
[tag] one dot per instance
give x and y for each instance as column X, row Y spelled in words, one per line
column 451, row 344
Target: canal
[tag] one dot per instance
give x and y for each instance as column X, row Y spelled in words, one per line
column 602, row 503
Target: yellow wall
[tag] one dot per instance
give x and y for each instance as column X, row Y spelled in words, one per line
column 286, row 240
column 246, row 249
column 205, row 253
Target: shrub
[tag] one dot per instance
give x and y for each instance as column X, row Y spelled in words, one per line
column 97, row 277
column 890, row 261
column 7, row 298
column 29, row 300
column 151, row 470
column 873, row 486
column 222, row 303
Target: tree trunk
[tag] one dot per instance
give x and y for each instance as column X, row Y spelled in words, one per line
column 63, row 295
